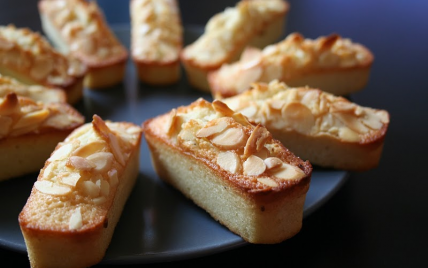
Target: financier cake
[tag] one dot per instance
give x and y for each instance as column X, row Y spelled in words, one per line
column 79, row 28
column 255, row 23
column 156, row 40
column 78, row 198
column 328, row 130
column 231, row 168
column 28, row 57
column 29, row 132
column 332, row 63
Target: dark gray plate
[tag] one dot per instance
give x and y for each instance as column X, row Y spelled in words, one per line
column 158, row 224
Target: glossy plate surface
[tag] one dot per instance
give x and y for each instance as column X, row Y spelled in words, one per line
column 158, row 223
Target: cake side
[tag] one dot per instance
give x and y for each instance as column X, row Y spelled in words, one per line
column 77, row 200
column 78, row 27
column 156, row 40
column 332, row 63
column 234, row 170
column 327, row 130
column 257, row 23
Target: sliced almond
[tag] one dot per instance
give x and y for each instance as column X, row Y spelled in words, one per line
column 101, row 160
column 104, row 186
column 222, row 108
column 75, row 221
column 42, row 66
column 273, row 162
column 33, row 118
column 70, row 178
column 91, row 189
column 48, row 187
column 287, row 172
column 299, row 117
column 254, row 166
column 9, row 105
column 257, row 140
column 99, row 200
column 170, row 124
column 62, row 152
column 90, row 148
column 113, row 177
column 229, row 161
column 114, row 144
column 216, row 126
column 268, row 181
column 230, row 139
column 81, row 163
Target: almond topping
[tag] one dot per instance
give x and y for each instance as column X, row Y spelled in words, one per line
column 104, row 186
column 81, row 163
column 75, row 221
column 222, row 108
column 91, row 189
column 32, row 118
column 114, row 144
column 299, row 117
column 47, row 187
column 272, row 162
column 170, row 125
column 70, row 178
column 268, row 181
column 288, row 172
column 61, row 153
column 254, row 166
column 257, row 140
column 229, row 161
column 101, row 160
column 90, row 148
column 219, row 125
column 231, row 138
column 113, row 177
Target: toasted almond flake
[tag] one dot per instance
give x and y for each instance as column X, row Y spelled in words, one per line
column 104, row 187
column 90, row 148
column 268, row 181
column 257, row 140
column 32, row 118
column 9, row 105
column 62, row 152
column 241, row 119
column 299, row 117
column 99, row 200
column 231, row 138
column 229, row 161
column 222, row 108
column 81, row 163
column 254, row 166
column 287, row 172
column 113, row 177
column 263, row 153
column 218, row 126
column 75, row 221
column 91, row 189
column 70, row 178
column 47, row 187
column 101, row 160
column 273, row 162
column 114, row 144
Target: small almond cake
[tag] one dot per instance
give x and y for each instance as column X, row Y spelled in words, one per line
column 331, row 63
column 256, row 23
column 234, row 170
column 28, row 57
column 79, row 28
column 78, row 198
column 328, row 130
column 156, row 40
column 29, row 132
column 34, row 92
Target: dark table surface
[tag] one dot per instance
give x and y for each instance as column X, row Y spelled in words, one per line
column 379, row 218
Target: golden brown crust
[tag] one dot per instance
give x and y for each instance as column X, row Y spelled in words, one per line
column 256, row 23
column 78, row 27
column 332, row 63
column 325, row 129
column 156, row 40
column 79, row 195
column 29, row 58
column 205, row 147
